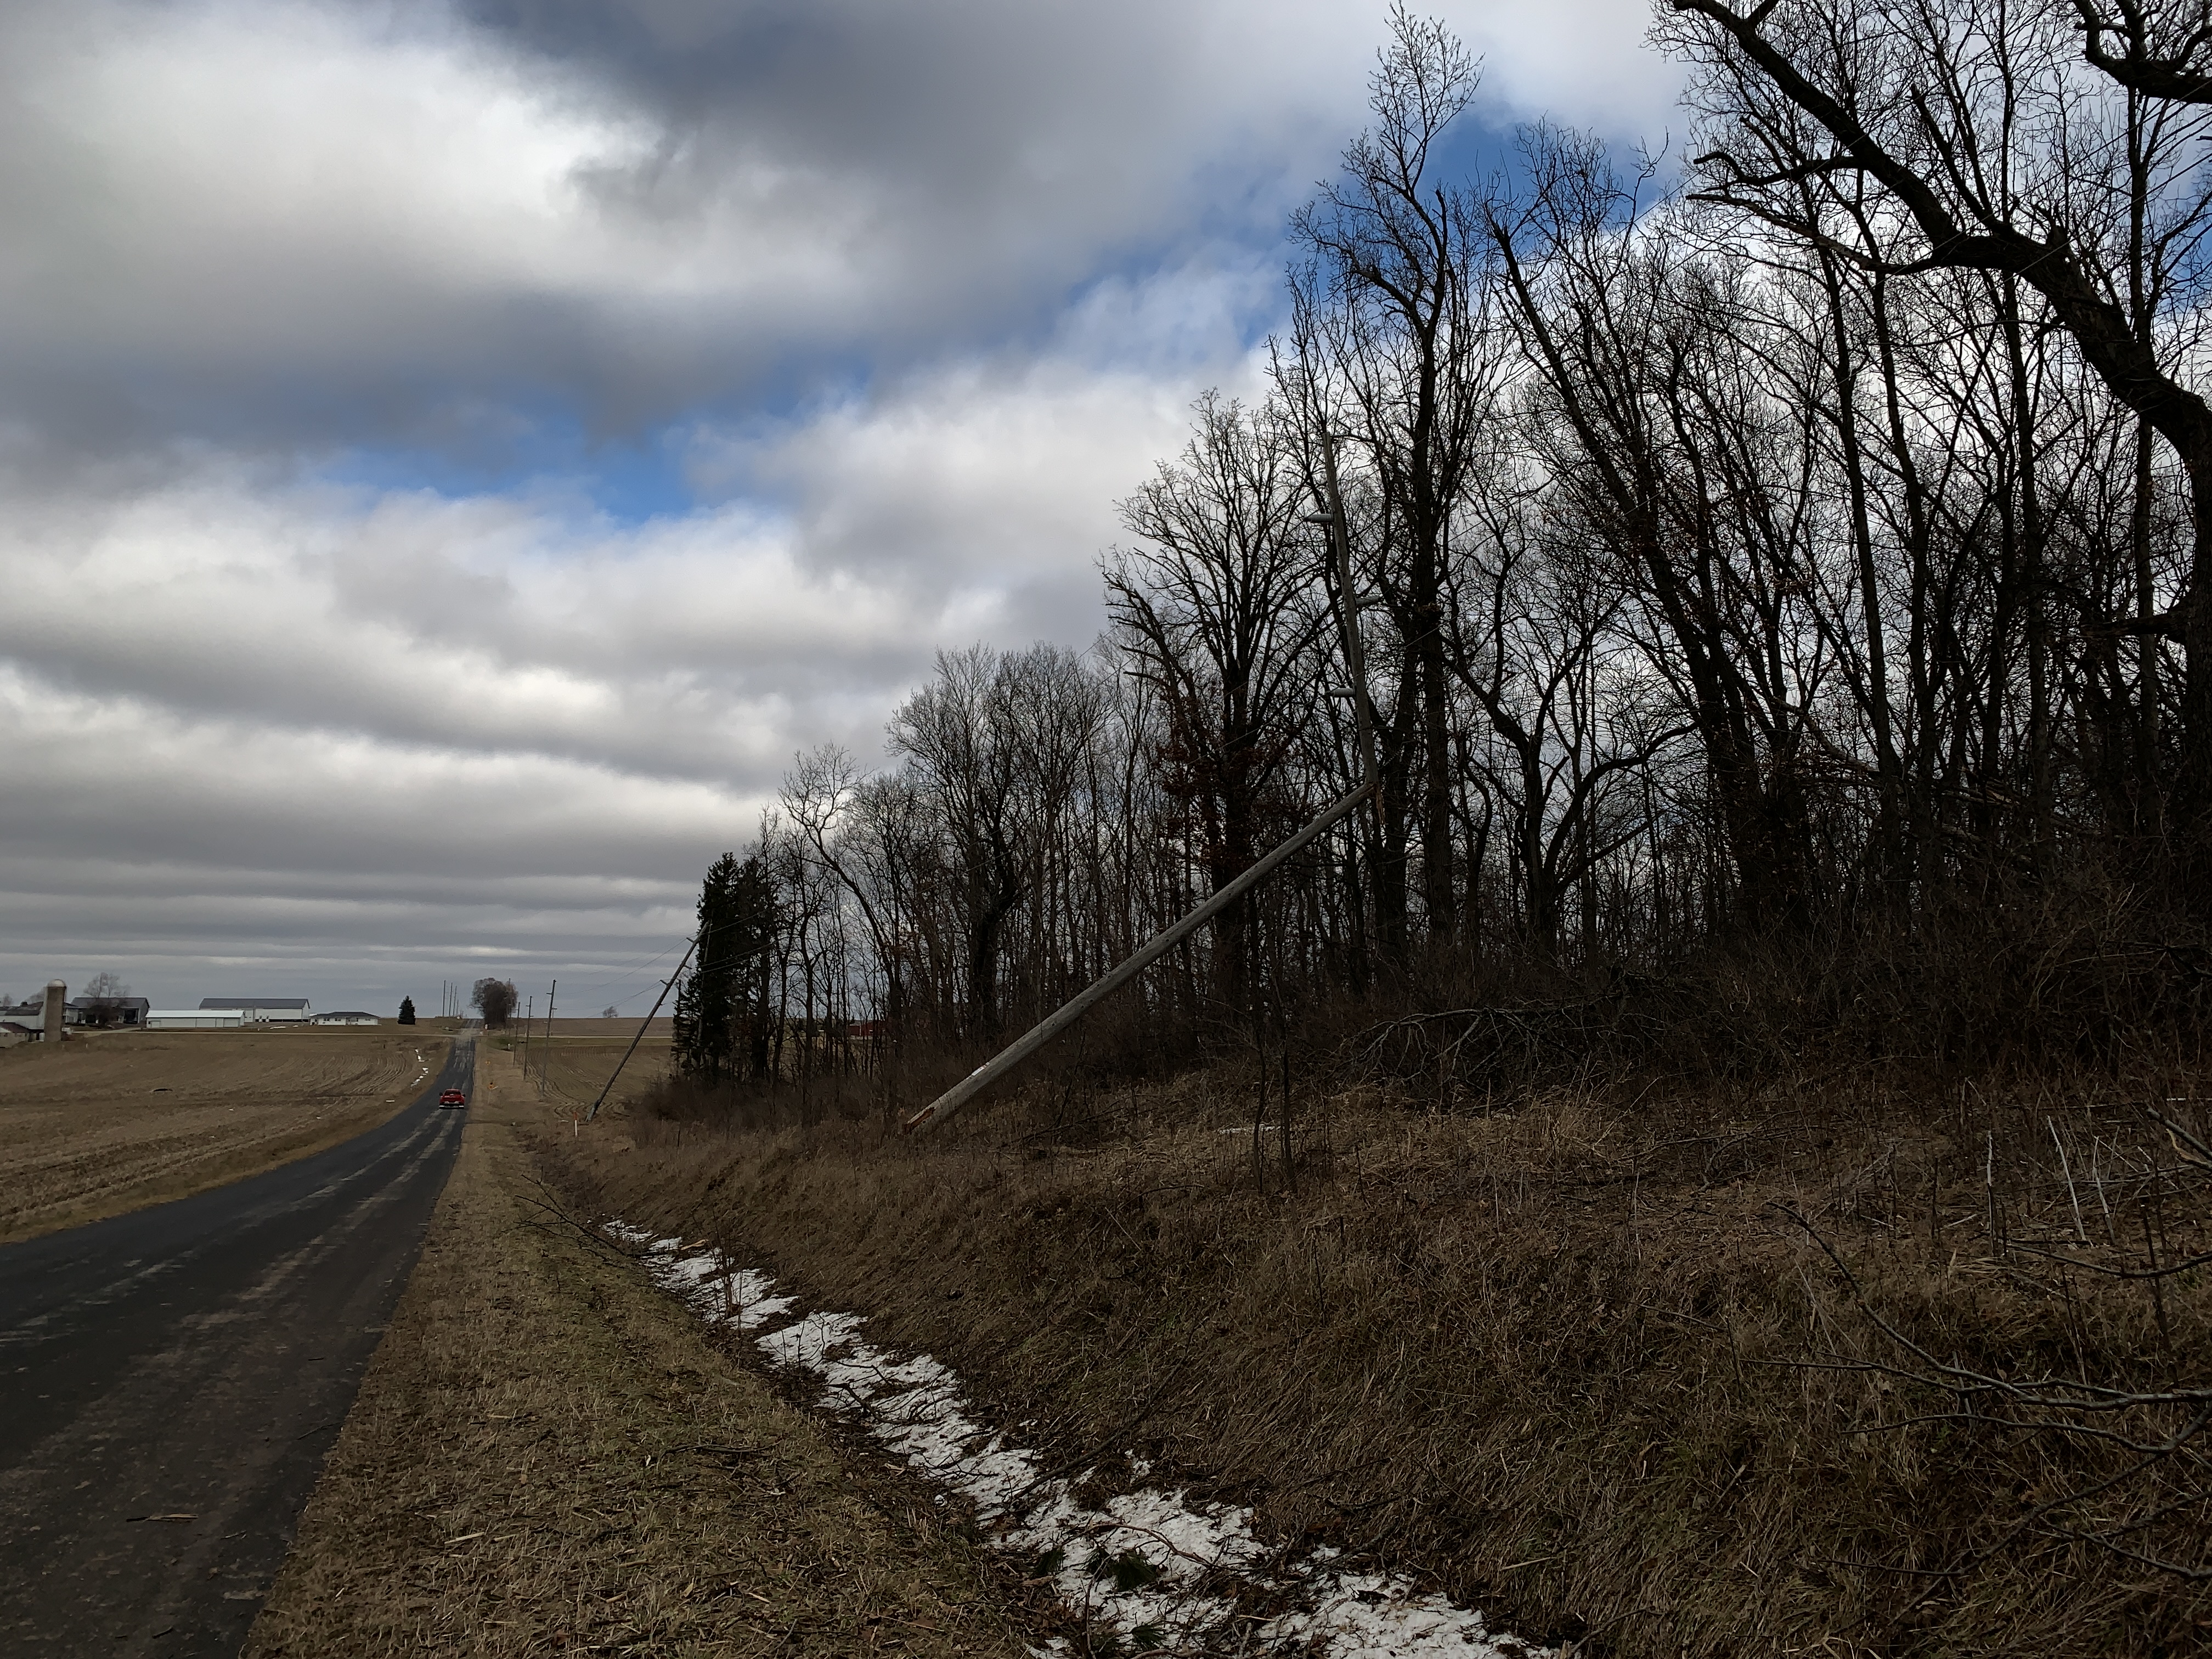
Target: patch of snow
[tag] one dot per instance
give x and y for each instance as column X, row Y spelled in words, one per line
column 1156, row 1566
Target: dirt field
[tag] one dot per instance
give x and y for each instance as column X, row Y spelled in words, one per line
column 567, row 1071
column 547, row 1454
column 624, row 1028
column 107, row 1122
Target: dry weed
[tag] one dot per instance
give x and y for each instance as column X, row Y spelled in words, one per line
column 1586, row 1361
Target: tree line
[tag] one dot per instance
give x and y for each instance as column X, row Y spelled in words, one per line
column 1784, row 556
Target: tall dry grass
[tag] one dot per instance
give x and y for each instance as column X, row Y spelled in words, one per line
column 1581, row 1352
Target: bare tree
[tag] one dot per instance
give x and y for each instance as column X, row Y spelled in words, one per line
column 1784, row 567
column 1215, row 609
column 1391, row 304
column 104, row 996
column 822, row 794
column 1961, row 122
column 494, row 999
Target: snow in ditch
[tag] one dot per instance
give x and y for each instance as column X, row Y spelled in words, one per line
column 1155, row 1566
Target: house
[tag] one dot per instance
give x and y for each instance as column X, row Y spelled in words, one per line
column 346, row 1017
column 264, row 1011
column 194, row 1019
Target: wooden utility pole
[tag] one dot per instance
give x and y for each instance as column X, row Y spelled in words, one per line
column 642, row 1028
column 545, row 1054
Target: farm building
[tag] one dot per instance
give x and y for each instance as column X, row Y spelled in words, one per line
column 106, row 1010
column 264, row 1011
column 346, row 1017
column 194, row 1019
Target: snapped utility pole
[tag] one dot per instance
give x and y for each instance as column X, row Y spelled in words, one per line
column 1160, row 944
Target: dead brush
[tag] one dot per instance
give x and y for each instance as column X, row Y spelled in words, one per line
column 1587, row 1357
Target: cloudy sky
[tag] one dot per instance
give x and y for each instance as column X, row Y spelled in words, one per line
column 455, row 451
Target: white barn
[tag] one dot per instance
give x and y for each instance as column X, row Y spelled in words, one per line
column 265, row 1011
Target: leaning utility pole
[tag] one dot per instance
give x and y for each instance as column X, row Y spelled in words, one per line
column 641, row 1030
column 1160, row 944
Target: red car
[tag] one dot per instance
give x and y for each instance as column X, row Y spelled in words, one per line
column 452, row 1097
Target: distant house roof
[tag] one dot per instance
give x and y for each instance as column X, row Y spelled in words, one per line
column 111, row 1002
column 347, row 1013
column 254, row 1002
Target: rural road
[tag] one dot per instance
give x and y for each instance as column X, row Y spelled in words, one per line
column 170, row 1381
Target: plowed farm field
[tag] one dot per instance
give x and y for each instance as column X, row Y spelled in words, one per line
column 109, row 1122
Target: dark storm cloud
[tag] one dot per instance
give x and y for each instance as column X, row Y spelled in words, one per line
column 269, row 225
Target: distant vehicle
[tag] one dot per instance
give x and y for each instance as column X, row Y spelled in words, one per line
column 452, row 1097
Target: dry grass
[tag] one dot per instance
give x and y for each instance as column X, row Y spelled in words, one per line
column 567, row 1071
column 1573, row 1358
column 112, row 1121
column 548, row 1455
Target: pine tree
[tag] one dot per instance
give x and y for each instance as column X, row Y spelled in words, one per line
column 722, row 1016
column 407, row 1010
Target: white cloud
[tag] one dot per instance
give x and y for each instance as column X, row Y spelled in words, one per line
column 272, row 695
column 1583, row 64
column 919, row 293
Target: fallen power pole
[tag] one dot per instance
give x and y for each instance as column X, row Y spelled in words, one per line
column 1160, row 944
column 646, row 1026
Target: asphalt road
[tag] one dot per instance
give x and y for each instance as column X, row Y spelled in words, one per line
column 171, row 1381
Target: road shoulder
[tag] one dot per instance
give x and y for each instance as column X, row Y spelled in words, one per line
column 547, row 1454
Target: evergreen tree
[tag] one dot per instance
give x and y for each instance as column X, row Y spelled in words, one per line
column 722, row 1016
column 407, row 1010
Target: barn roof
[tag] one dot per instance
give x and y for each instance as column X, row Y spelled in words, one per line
column 254, row 1002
